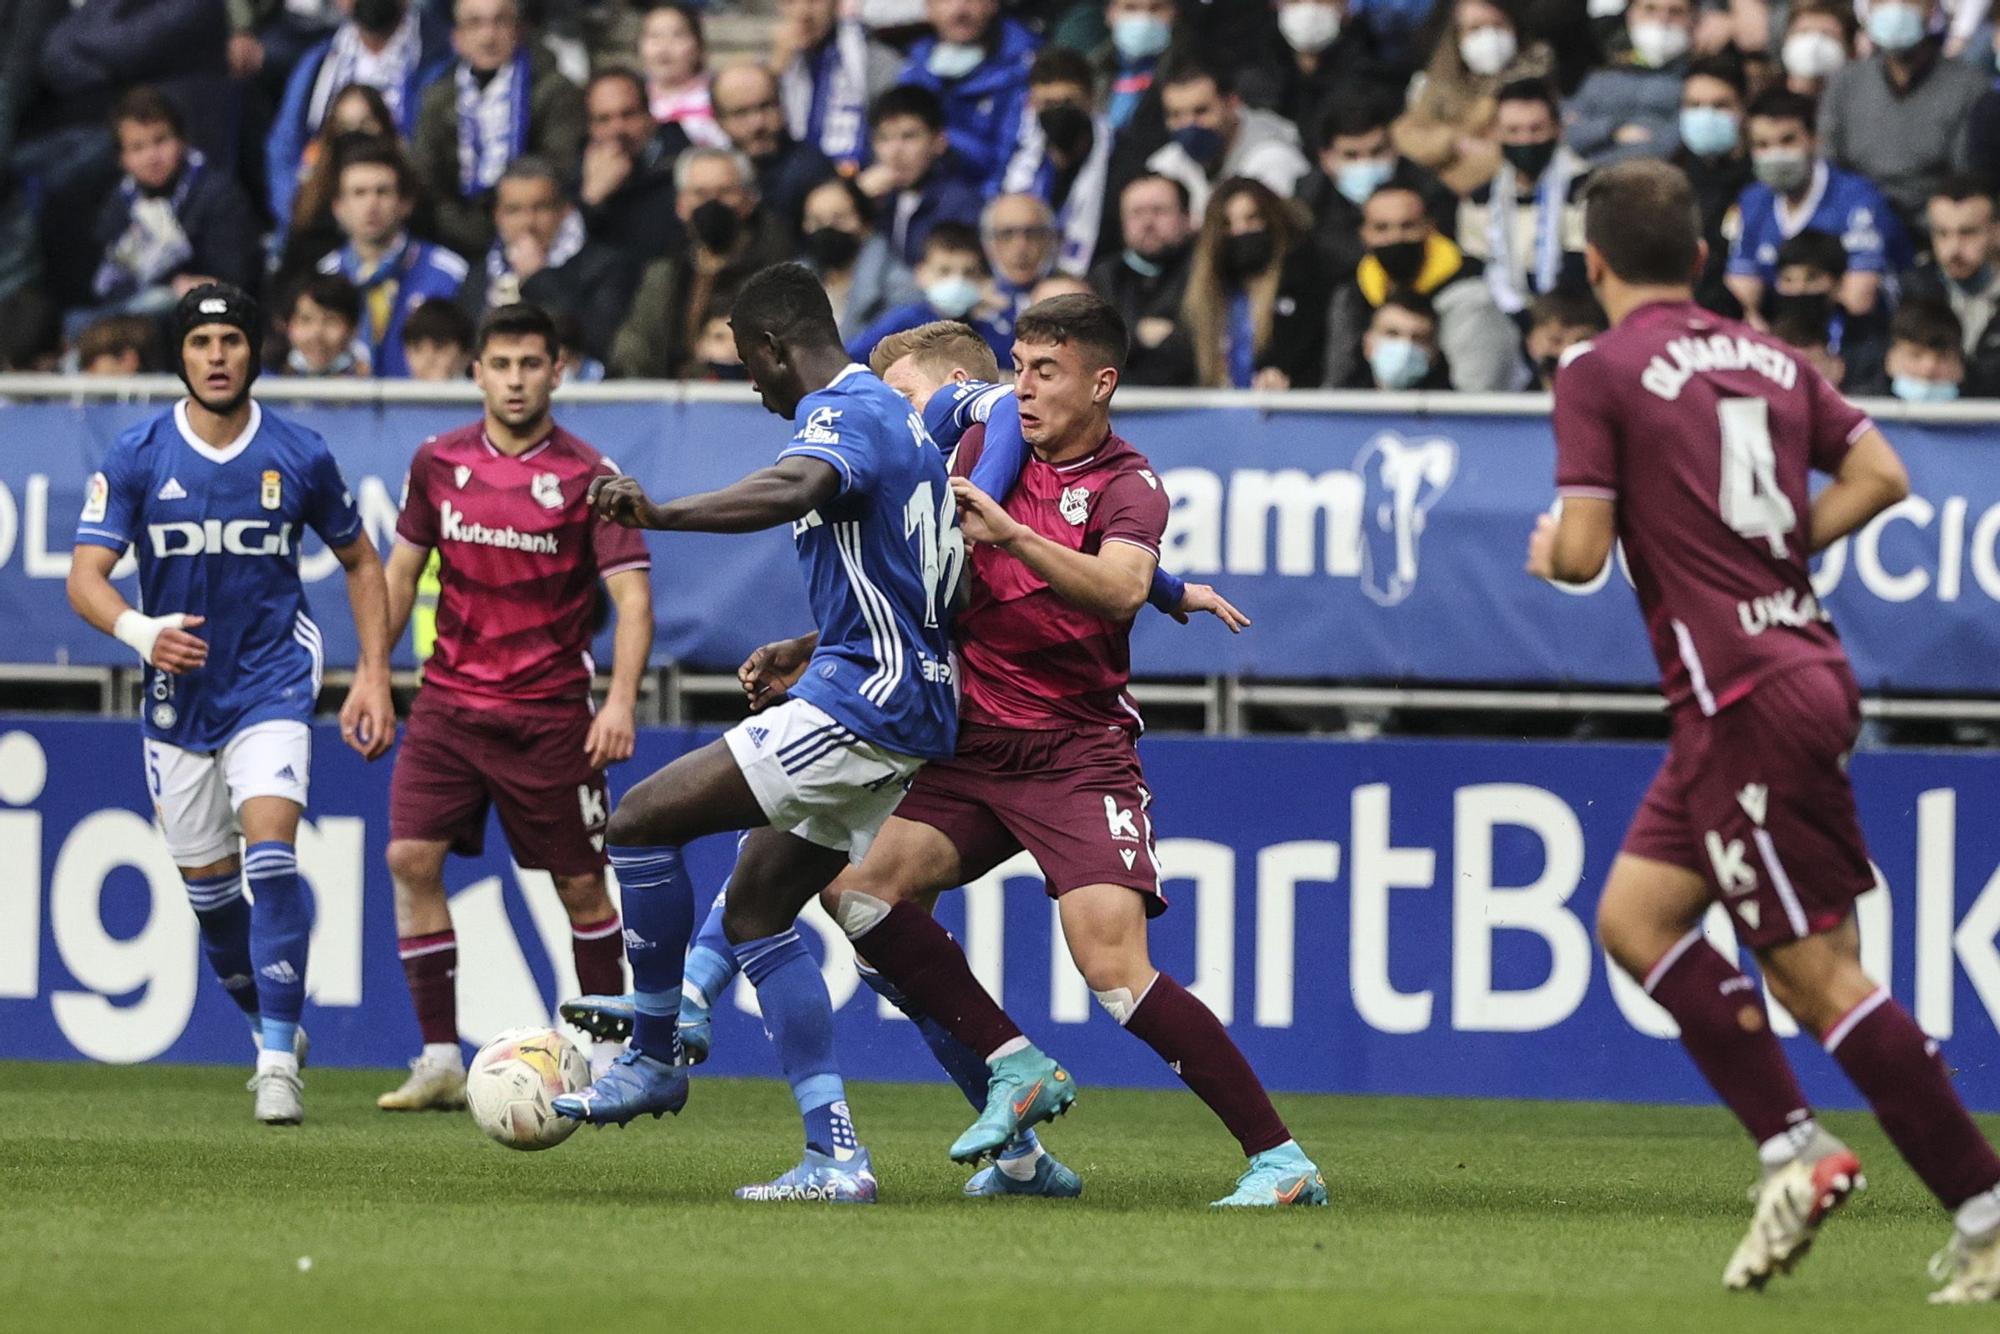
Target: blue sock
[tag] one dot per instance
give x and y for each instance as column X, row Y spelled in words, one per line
column 710, row 962
column 960, row 1062
column 798, row 1015
column 659, row 914
column 280, row 936
column 224, row 916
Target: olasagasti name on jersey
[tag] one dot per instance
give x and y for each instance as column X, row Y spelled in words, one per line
column 1718, row 352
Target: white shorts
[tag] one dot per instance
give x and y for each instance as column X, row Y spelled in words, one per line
column 196, row 795
column 817, row 780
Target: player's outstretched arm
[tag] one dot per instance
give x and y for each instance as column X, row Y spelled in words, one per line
column 403, row 571
column 1112, row 584
column 783, row 493
column 368, row 718
column 1870, row 480
column 614, row 731
column 1198, row 598
column 160, row 641
column 775, row 668
column 1571, row 545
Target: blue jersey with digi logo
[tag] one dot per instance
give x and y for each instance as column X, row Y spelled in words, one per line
column 882, row 561
column 218, row 533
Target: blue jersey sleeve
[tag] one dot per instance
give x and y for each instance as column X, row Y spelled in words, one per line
column 828, row 435
column 330, row 509
column 1749, row 232
column 1005, row 453
column 112, row 502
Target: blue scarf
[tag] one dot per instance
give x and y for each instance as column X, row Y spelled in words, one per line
column 151, row 248
column 1242, row 341
column 825, row 94
column 478, row 165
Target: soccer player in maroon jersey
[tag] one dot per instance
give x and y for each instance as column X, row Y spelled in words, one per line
column 505, row 716
column 1689, row 438
column 1047, row 760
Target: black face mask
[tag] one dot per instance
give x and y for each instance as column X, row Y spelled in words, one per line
column 1530, row 160
column 379, row 17
column 1401, row 260
column 715, row 225
column 1814, row 309
column 1546, row 368
column 1247, row 254
column 1068, row 131
column 831, row 248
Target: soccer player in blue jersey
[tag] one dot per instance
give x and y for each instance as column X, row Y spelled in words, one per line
column 216, row 495
column 864, row 490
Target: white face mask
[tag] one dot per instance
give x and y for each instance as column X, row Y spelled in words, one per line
column 1813, row 55
column 1659, row 44
column 1309, row 26
column 955, row 60
column 1486, row 51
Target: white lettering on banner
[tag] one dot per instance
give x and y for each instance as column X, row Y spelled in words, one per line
column 24, row 771
column 1303, row 504
column 1280, row 869
column 1480, row 908
column 1937, row 887
column 331, row 855
column 1212, row 867
column 10, row 524
column 1911, row 583
column 1377, row 868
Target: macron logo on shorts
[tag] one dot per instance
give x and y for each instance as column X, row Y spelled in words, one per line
column 456, row 529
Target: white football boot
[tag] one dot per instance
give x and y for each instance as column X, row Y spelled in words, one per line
column 278, row 1089
column 436, row 1083
column 1969, row 1270
column 1792, row 1202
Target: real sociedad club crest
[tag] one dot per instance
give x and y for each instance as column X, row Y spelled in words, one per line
column 1075, row 504
column 546, row 488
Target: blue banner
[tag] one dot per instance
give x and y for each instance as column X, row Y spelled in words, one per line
column 1367, row 546
column 1383, row 917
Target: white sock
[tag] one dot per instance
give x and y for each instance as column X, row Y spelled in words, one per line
column 1979, row 1216
column 277, row 1060
column 1006, row 1049
column 444, row 1053
column 1023, row 1167
column 1783, row 1147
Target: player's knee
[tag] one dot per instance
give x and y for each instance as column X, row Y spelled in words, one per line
column 631, row 827
column 583, row 896
column 413, row 865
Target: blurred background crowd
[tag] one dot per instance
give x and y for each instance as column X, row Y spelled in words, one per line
column 1278, row 194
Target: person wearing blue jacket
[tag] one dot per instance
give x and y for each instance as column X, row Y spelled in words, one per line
column 395, row 272
column 384, row 44
column 977, row 64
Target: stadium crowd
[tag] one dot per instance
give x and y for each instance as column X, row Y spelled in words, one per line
column 1282, row 194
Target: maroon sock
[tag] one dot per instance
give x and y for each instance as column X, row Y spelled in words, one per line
column 430, row 966
column 1903, row 1075
column 1727, row 1033
column 599, row 948
column 910, row 949
column 1189, row 1037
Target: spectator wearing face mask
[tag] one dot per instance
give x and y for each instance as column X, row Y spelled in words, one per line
column 1556, row 323
column 1356, row 157
column 1063, row 155
column 1128, row 64
column 1811, row 268
column 1526, row 225
column 977, row 64
column 1148, row 277
column 1631, row 107
column 1216, row 138
column 1254, row 311
column 1818, row 43
column 1399, row 348
column 1900, row 117
column 829, row 69
column 1796, row 189
column 954, row 281
column 863, row 278
column 1926, row 361
column 1717, row 163
column 1317, row 52
column 1448, row 126
column 1806, row 332
column 1405, row 253
column 1962, row 273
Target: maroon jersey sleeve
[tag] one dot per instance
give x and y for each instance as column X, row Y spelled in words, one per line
column 1586, row 434
column 615, row 547
column 1132, row 510
column 417, row 524
column 1836, row 423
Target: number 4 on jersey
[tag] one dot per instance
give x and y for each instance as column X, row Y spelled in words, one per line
column 1752, row 504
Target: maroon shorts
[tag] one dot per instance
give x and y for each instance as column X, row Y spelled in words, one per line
column 1757, row 802
column 1074, row 797
column 455, row 761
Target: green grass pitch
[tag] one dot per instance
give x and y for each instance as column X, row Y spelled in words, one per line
column 146, row 1199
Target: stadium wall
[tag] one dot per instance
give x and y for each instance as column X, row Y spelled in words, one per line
column 1374, row 537
column 1402, row 917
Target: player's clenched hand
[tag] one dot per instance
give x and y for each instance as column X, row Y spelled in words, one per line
column 368, row 718
column 1203, row 597
column 177, row 651
column 620, row 500
column 1542, row 548
column 611, row 735
column 981, row 516
column 772, row 670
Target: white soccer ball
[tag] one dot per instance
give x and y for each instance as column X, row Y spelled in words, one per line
column 513, row 1080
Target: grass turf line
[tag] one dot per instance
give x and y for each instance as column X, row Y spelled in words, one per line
column 146, row 1198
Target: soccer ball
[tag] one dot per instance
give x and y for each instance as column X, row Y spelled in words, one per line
column 513, row 1079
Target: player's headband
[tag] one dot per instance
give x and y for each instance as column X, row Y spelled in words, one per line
column 219, row 303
